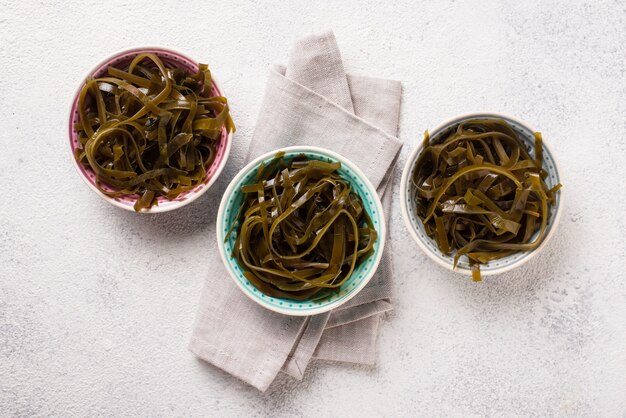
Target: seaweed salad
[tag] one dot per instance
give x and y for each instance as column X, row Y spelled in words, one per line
column 301, row 229
column 480, row 194
column 149, row 130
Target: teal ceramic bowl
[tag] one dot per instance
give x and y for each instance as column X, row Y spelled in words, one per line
column 407, row 191
column 227, row 213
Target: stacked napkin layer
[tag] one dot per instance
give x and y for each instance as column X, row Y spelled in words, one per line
column 311, row 101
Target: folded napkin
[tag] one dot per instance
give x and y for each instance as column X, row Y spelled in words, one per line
column 311, row 101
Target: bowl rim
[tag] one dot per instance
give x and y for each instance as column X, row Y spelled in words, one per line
column 405, row 209
column 382, row 229
column 154, row 209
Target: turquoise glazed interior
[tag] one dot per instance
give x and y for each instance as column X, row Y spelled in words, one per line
column 361, row 273
column 528, row 137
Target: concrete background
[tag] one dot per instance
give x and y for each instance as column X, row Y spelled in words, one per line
column 97, row 304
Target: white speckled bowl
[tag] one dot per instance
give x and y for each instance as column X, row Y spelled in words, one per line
column 170, row 58
column 429, row 246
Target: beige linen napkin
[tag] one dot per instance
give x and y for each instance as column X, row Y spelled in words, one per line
column 311, row 101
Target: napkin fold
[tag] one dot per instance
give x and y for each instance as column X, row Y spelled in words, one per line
column 311, row 101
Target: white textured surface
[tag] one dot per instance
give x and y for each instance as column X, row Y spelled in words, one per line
column 97, row 304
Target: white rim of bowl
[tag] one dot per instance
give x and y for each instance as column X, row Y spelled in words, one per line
column 405, row 209
column 155, row 209
column 382, row 229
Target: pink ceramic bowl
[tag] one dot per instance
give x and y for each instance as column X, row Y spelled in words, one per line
column 169, row 58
